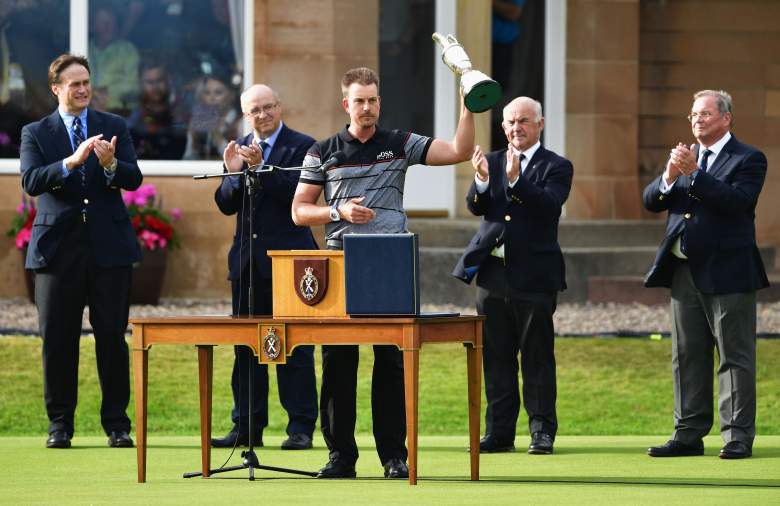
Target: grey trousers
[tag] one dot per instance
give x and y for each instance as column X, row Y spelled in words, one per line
column 701, row 323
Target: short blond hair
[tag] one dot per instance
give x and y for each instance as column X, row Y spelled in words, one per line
column 360, row 75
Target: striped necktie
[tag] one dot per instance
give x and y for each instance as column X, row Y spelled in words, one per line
column 78, row 138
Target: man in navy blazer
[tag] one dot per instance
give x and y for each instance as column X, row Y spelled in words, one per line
column 75, row 161
column 710, row 260
column 519, row 192
column 271, row 142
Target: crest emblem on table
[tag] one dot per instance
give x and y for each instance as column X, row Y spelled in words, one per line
column 311, row 279
column 271, row 344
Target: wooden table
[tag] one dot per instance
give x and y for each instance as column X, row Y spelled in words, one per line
column 409, row 334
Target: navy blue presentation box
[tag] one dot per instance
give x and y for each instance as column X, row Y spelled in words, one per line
column 382, row 274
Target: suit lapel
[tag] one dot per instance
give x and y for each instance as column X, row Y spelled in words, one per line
column 59, row 134
column 534, row 164
column 279, row 152
column 723, row 157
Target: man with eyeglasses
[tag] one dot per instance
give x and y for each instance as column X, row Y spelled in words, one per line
column 710, row 260
column 271, row 142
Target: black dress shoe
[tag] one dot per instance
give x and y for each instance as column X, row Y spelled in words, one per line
column 297, row 442
column 120, row 439
column 58, row 439
column 337, row 468
column 491, row 444
column 235, row 438
column 541, row 444
column 396, row 468
column 735, row 450
column 674, row 448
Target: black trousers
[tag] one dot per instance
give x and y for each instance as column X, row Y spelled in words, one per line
column 296, row 379
column 338, row 401
column 62, row 290
column 517, row 322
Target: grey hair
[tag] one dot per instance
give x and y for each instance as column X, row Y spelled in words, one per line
column 537, row 106
column 722, row 97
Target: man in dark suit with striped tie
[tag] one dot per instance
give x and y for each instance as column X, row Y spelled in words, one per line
column 710, row 260
column 82, row 247
column 519, row 191
column 273, row 143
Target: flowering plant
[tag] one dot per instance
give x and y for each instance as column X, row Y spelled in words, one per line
column 21, row 224
column 152, row 225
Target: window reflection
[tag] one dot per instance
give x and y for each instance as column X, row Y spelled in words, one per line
column 173, row 68
column 406, row 66
column 29, row 40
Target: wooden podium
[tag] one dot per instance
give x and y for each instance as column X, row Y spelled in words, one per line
column 328, row 295
column 309, row 308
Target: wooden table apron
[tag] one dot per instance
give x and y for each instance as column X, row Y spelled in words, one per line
column 409, row 334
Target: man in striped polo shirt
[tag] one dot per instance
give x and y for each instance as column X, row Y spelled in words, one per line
column 364, row 194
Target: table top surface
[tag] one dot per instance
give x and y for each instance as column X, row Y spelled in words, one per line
column 254, row 319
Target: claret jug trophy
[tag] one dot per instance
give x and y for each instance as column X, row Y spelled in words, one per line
column 479, row 91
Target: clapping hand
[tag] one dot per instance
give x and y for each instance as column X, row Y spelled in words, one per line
column 82, row 152
column 480, row 164
column 512, row 165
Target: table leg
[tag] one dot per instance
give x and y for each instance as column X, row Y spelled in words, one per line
column 411, row 377
column 205, row 376
column 140, row 377
column 474, row 364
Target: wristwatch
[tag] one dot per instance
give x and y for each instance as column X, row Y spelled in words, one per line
column 334, row 214
column 111, row 166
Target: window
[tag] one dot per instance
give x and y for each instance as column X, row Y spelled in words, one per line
column 406, row 65
column 27, row 38
column 173, row 69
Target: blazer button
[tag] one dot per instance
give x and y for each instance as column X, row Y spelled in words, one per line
column 507, row 218
column 687, row 216
column 254, row 236
column 661, row 197
column 86, row 201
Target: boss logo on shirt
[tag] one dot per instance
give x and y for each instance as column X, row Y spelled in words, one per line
column 385, row 155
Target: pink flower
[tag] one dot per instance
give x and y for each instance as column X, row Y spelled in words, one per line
column 23, row 238
column 139, row 200
column 21, row 208
column 176, row 213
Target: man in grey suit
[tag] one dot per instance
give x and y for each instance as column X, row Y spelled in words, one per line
column 710, row 260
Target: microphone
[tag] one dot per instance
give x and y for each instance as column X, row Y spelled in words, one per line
column 335, row 159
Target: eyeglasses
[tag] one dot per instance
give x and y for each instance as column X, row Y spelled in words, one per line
column 267, row 108
column 705, row 115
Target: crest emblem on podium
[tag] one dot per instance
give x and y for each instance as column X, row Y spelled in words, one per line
column 272, row 345
column 311, row 279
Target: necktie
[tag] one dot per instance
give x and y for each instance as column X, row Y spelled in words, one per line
column 704, row 157
column 78, row 138
column 264, row 148
column 520, row 161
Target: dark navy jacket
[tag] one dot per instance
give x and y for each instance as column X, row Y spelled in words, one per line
column 717, row 216
column 523, row 218
column 273, row 223
column 60, row 200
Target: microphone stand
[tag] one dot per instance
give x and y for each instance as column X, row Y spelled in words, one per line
column 250, row 461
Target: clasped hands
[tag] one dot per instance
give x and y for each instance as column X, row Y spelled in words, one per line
column 236, row 155
column 682, row 161
column 480, row 164
column 104, row 150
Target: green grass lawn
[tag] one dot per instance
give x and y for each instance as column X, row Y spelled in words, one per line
column 603, row 470
column 605, row 387
column 615, row 400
